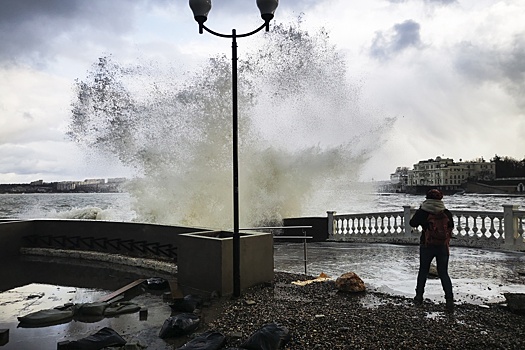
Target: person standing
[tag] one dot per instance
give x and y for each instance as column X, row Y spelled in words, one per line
column 437, row 224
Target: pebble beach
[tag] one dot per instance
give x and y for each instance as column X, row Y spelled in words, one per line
column 317, row 316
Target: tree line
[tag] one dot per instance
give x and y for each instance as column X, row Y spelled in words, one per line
column 509, row 167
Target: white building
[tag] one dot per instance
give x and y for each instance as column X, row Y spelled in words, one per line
column 399, row 179
column 445, row 174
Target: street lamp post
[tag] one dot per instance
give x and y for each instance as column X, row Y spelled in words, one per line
column 200, row 9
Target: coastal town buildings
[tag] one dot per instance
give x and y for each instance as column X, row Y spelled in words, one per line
column 448, row 175
column 476, row 175
column 87, row 185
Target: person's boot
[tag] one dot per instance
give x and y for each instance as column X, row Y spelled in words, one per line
column 418, row 300
column 449, row 305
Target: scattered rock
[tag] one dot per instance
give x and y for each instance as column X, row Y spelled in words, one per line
column 235, row 335
column 349, row 325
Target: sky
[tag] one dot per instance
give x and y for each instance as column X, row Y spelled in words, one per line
column 451, row 72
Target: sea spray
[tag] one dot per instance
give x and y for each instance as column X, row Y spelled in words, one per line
column 300, row 125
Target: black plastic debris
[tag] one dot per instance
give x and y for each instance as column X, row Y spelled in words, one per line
column 205, row 341
column 272, row 336
column 187, row 304
column 4, row 336
column 157, row 283
column 106, row 337
column 515, row 302
column 35, row 296
column 179, row 325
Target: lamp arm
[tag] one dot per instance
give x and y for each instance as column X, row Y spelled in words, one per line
column 264, row 25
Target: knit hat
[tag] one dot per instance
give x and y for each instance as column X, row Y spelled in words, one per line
column 435, row 194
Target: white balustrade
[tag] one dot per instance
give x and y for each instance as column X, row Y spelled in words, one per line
column 471, row 228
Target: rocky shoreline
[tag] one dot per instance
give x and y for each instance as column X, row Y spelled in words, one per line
column 317, row 316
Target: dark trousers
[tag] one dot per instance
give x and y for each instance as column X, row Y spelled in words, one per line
column 426, row 255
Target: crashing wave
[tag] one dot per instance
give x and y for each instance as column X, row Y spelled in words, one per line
column 90, row 213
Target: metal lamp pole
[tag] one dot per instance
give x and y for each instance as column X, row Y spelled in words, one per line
column 200, row 9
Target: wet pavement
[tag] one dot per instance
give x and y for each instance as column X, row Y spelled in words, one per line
column 479, row 276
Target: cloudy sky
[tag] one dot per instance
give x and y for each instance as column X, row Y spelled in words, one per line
column 452, row 72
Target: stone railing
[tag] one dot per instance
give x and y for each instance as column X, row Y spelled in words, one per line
column 486, row 229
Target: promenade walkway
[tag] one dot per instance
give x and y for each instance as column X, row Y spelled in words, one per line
column 479, row 276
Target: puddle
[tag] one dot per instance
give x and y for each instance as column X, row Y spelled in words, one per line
column 435, row 315
column 371, row 301
column 35, row 297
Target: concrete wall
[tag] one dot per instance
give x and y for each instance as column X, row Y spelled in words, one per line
column 205, row 261
column 11, row 237
column 123, row 230
column 205, row 258
column 12, row 233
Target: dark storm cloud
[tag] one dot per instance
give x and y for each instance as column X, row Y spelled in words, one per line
column 492, row 64
column 29, row 29
column 400, row 37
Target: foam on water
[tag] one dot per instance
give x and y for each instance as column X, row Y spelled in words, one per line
column 92, row 206
column 301, row 124
column 83, row 213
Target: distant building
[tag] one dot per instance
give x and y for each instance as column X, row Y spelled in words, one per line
column 93, row 182
column 399, row 179
column 66, row 185
column 445, row 174
column 113, row 185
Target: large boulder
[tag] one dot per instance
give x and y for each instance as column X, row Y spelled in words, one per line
column 350, row 282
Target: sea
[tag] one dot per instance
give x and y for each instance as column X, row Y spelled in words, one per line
column 120, row 206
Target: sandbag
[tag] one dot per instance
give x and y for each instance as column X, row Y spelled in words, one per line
column 123, row 307
column 272, row 336
column 187, row 304
column 105, row 337
column 178, row 325
column 46, row 317
column 205, row 341
column 91, row 309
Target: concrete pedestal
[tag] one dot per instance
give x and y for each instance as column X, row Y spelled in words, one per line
column 205, row 261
